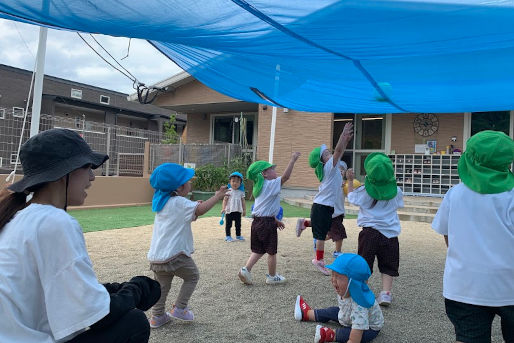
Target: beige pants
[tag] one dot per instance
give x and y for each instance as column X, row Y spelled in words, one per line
column 185, row 268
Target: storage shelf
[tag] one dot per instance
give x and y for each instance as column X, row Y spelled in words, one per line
column 425, row 174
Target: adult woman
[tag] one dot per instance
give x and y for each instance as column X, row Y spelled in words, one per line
column 48, row 289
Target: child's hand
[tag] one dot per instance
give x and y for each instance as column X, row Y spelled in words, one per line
column 295, row 156
column 220, row 193
column 280, row 225
column 348, row 131
column 349, row 174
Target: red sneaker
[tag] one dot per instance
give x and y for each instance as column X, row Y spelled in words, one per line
column 324, row 334
column 300, row 309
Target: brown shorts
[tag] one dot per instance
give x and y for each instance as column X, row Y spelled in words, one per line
column 337, row 230
column 387, row 250
column 321, row 219
column 264, row 237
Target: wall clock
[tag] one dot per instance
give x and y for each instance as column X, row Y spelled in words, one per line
column 426, row 124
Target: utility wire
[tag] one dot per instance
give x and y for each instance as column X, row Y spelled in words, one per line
column 107, row 52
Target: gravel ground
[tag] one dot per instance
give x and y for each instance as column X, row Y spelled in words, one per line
column 228, row 311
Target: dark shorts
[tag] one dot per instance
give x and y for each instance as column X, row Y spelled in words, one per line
column 337, row 230
column 321, row 220
column 473, row 322
column 264, row 237
column 387, row 250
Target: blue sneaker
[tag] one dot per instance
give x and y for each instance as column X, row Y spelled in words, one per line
column 229, row 239
column 240, row 238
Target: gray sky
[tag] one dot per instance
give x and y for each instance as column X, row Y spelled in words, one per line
column 68, row 57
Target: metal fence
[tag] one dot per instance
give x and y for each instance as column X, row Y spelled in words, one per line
column 194, row 155
column 124, row 145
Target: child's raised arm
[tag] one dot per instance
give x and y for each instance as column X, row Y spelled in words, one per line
column 206, row 205
column 342, row 142
column 289, row 169
column 349, row 178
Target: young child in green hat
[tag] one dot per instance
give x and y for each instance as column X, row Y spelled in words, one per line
column 378, row 201
column 327, row 171
column 358, row 311
column 264, row 237
column 476, row 218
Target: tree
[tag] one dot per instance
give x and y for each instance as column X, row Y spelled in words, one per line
column 170, row 134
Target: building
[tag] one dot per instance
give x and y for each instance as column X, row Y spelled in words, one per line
column 214, row 117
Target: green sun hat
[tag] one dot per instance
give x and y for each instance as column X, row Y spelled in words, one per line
column 315, row 161
column 254, row 173
column 485, row 165
column 380, row 181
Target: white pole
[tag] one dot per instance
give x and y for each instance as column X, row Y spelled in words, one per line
column 272, row 134
column 38, row 85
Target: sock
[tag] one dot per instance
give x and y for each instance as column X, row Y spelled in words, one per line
column 320, row 254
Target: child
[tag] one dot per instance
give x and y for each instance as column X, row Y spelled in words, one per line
column 358, row 311
column 48, row 288
column 234, row 205
column 172, row 238
column 331, row 180
column 476, row 218
column 337, row 230
column 378, row 202
column 264, row 238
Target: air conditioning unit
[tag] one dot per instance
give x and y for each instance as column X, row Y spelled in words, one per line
column 286, row 110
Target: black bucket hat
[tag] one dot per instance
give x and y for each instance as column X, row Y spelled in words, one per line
column 52, row 154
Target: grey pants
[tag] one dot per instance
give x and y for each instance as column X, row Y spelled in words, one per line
column 185, row 268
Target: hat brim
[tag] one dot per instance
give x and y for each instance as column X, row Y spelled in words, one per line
column 361, row 293
column 385, row 191
column 322, row 148
column 59, row 170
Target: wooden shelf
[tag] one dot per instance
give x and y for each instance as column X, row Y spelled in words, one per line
column 425, row 174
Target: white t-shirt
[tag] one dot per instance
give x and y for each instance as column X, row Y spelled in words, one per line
column 329, row 186
column 267, row 204
column 339, row 194
column 479, row 266
column 172, row 233
column 234, row 201
column 382, row 217
column 357, row 317
column 48, row 289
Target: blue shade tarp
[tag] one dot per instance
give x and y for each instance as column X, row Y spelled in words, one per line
column 322, row 56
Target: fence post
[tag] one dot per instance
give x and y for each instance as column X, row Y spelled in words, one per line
column 146, row 160
column 180, row 151
column 229, row 152
column 108, row 148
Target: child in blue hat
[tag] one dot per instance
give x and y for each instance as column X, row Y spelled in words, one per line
column 358, row 311
column 172, row 238
column 234, row 205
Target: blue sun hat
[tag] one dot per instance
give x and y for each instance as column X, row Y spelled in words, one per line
column 165, row 179
column 239, row 175
column 357, row 270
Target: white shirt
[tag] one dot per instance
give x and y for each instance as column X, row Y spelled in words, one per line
column 234, row 201
column 48, row 289
column 479, row 266
column 358, row 317
column 267, row 204
column 339, row 194
column 172, row 233
column 329, row 186
column 382, row 217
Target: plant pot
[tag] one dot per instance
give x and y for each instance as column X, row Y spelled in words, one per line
column 201, row 195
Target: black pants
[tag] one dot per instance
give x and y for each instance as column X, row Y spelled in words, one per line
column 131, row 328
column 236, row 217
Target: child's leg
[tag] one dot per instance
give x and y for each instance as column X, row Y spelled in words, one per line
column 339, row 245
column 228, row 224
column 388, row 256
column 367, row 245
column 343, row 335
column 237, row 220
column 272, row 264
column 325, row 315
column 387, row 282
column 164, row 278
column 252, row 260
column 186, row 270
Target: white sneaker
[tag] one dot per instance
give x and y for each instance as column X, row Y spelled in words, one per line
column 385, row 298
column 274, row 280
column 300, row 226
column 245, row 276
column 320, row 264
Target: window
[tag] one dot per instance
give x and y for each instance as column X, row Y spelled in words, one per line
column 104, row 99
column 18, row 112
column 76, row 93
column 13, row 159
column 228, row 129
column 2, row 113
column 497, row 121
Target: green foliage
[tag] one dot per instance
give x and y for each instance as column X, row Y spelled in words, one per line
column 170, row 133
column 210, row 178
